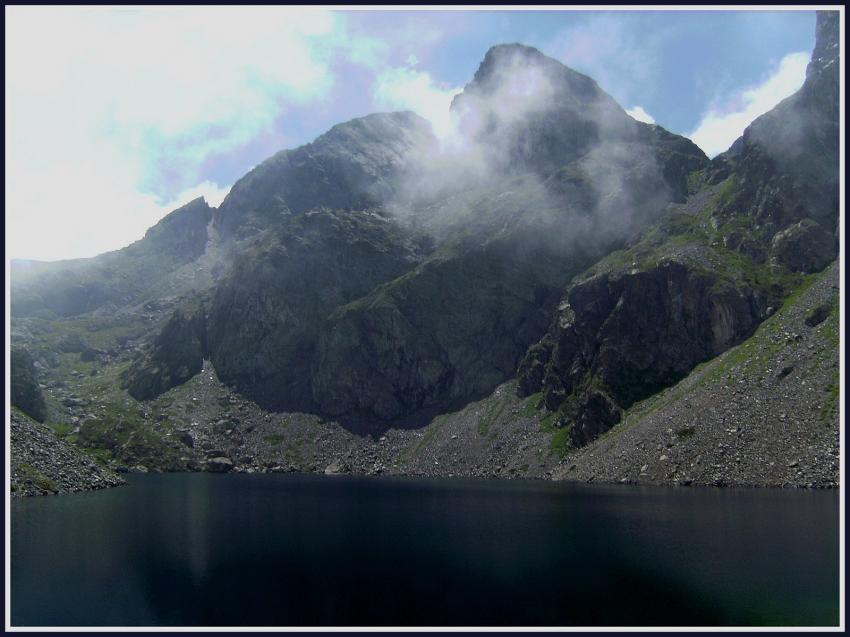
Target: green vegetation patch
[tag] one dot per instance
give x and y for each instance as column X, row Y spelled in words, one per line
column 550, row 423
column 273, row 440
column 491, row 414
column 695, row 181
column 37, row 478
column 685, row 432
column 61, row 429
column 560, row 442
column 829, row 411
column 532, row 405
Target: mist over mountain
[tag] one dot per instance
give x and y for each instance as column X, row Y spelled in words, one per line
column 545, row 251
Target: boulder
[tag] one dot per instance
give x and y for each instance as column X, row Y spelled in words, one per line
column 219, row 464
column 804, row 247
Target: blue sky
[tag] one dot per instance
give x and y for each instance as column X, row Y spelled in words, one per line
column 116, row 116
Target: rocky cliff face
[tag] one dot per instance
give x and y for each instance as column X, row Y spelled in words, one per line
column 622, row 337
column 351, row 167
column 451, row 329
column 785, row 163
column 174, row 356
column 25, row 394
column 266, row 316
column 708, row 273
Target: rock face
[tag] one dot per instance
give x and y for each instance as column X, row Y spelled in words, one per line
column 175, row 355
column 351, row 167
column 451, row 329
column 219, row 465
column 266, row 317
column 620, row 338
column 25, row 394
column 786, row 160
column 183, row 233
column 805, row 246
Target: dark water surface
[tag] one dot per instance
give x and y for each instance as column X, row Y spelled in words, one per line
column 286, row 550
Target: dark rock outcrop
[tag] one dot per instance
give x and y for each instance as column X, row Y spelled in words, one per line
column 183, row 233
column 25, row 394
column 633, row 334
column 219, row 465
column 174, row 356
column 804, row 246
column 450, row 330
column 265, row 318
column 593, row 414
column 765, row 413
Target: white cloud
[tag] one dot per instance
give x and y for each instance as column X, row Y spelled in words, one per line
column 209, row 190
column 722, row 125
column 101, row 102
column 84, row 212
column 640, row 115
column 404, row 88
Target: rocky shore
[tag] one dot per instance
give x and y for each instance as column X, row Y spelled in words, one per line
column 43, row 464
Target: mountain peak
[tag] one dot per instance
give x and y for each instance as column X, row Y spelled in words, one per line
column 505, row 60
column 514, row 49
column 515, row 74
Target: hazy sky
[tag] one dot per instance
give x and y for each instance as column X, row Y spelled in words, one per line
column 116, row 116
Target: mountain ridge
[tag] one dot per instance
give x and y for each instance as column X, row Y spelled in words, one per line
column 385, row 280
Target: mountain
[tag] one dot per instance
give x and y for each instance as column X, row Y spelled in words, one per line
column 483, row 301
column 115, row 279
column 709, row 273
column 359, row 300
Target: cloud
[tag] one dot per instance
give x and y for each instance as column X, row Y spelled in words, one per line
column 640, row 115
column 84, row 211
column 724, row 123
column 111, row 112
column 209, row 190
column 408, row 89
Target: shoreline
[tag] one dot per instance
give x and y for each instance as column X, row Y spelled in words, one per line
column 494, row 479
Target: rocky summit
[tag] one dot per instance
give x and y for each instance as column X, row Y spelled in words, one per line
column 550, row 290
